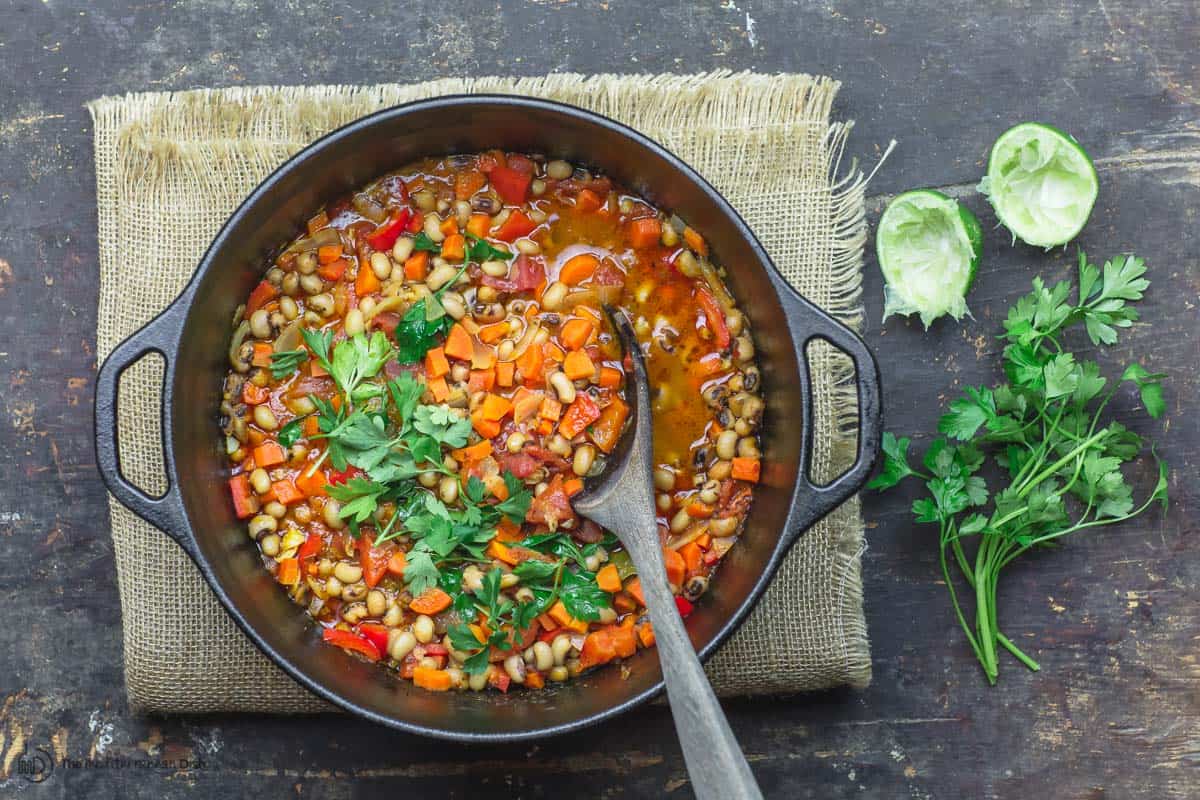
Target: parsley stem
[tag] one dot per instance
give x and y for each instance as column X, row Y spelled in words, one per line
column 1030, row 483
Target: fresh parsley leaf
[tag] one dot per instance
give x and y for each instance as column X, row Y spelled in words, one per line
column 290, row 433
column 287, row 362
column 420, row 573
column 895, row 463
column 480, row 250
column 423, row 242
column 416, row 335
column 581, row 596
column 319, row 342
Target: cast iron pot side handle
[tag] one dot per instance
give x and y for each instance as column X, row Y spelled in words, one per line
column 165, row 512
column 808, row 323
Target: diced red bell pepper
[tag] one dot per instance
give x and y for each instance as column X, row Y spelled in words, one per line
column 245, row 501
column 685, row 606
column 339, row 477
column 310, row 548
column 386, row 234
column 372, row 559
column 264, row 293
column 581, row 413
column 714, row 315
column 499, row 679
column 513, row 186
column 376, row 634
column 516, row 226
column 352, row 642
column 416, row 222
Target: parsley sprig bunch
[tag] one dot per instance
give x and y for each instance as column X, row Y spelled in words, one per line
column 1043, row 428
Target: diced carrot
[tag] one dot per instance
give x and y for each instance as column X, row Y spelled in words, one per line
column 490, row 334
column 676, row 567
column 439, row 389
column 449, row 226
column 534, row 680
column 558, row 612
column 505, row 373
column 478, row 225
column 598, row 648
column 530, row 364
column 587, row 201
column 508, row 531
column 468, row 182
column 646, row 634
column 287, row 492
column 245, row 503
column 577, row 365
column 745, row 469
column 433, row 680
column 315, row 370
column 397, row 564
column 481, row 380
column 454, row 247
column 575, row 333
column 578, row 269
column 495, row 407
column 473, row 454
column 289, row 571
column 643, row 233
column 311, row 426
column 698, row 510
column 268, row 454
column 316, row 222
column 609, row 579
column 432, row 601
column 610, row 377
column 501, row 552
column 488, row 429
column 573, row 486
column 262, row 354
column 624, row 640
column 366, row 282
column 312, row 485
column 328, row 253
column 416, row 266
column 704, row 541
column 262, row 294
column 549, row 624
column 525, row 404
column 545, row 427
column 695, row 242
column 553, row 352
column 634, row 587
column 458, row 343
column 692, row 556
column 254, row 395
column 334, row 270
column 624, row 603
column 551, row 409
column 436, row 364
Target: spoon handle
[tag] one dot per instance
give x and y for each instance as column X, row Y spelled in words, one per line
column 715, row 762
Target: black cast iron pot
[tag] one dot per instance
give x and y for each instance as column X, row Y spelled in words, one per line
column 192, row 334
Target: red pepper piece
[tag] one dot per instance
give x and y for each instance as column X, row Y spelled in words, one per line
column 386, row 234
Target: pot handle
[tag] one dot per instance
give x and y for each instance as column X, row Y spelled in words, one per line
column 809, row 322
column 164, row 512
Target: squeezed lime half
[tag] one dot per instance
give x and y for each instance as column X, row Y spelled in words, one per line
column 1041, row 183
column 928, row 246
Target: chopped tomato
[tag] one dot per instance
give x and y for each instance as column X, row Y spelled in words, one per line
column 511, row 185
column 551, row 506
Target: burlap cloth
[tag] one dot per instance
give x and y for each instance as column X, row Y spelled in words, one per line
column 171, row 167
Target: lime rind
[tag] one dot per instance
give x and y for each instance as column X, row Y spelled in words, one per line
column 1041, row 183
column 928, row 246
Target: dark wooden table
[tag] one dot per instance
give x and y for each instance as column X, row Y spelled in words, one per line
column 1114, row 619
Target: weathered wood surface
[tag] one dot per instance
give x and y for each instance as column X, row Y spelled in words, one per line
column 1115, row 619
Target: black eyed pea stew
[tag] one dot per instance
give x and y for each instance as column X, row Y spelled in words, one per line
column 420, row 384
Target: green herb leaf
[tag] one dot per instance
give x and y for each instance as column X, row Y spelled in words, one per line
column 423, row 242
column 287, row 362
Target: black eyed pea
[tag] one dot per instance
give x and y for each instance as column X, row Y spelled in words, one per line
column 585, row 456
column 472, row 579
column 552, row 298
column 563, row 387
column 559, row 444
column 454, row 304
column 662, row 501
column 747, row 447
column 311, row 284
column 428, row 662
column 264, row 418
column 664, row 479
column 720, row 470
column 322, row 303
column 377, row 603
column 559, row 648
column 303, row 514
column 270, row 545
column 592, row 562
column 680, row 521
column 428, row 479
column 710, row 491
column 608, row 616
column 495, row 268
column 462, row 212
column 433, row 229
column 274, row 276
column 508, row 580
column 488, row 296
column 538, row 187
column 559, row 170
column 355, row 591
column 260, row 481
column 393, row 616
column 440, row 276
column 275, row 509
column 479, row 682
column 695, row 586
column 457, row 677
column 524, row 595
column 354, row 323
column 422, row 628
column 741, row 427
column 402, row 249
column 425, row 200
column 559, row 674
column 528, row 247
column 287, row 305
column 354, row 613
column 400, row 644
column 744, row 348
column 448, row 489
column 514, row 665
column 346, row 572
column 515, row 442
column 333, row 587
column 306, row 263
column 722, row 526
column 260, row 324
column 324, row 566
column 543, row 656
column 331, row 514
column 727, row 445
column 262, row 525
